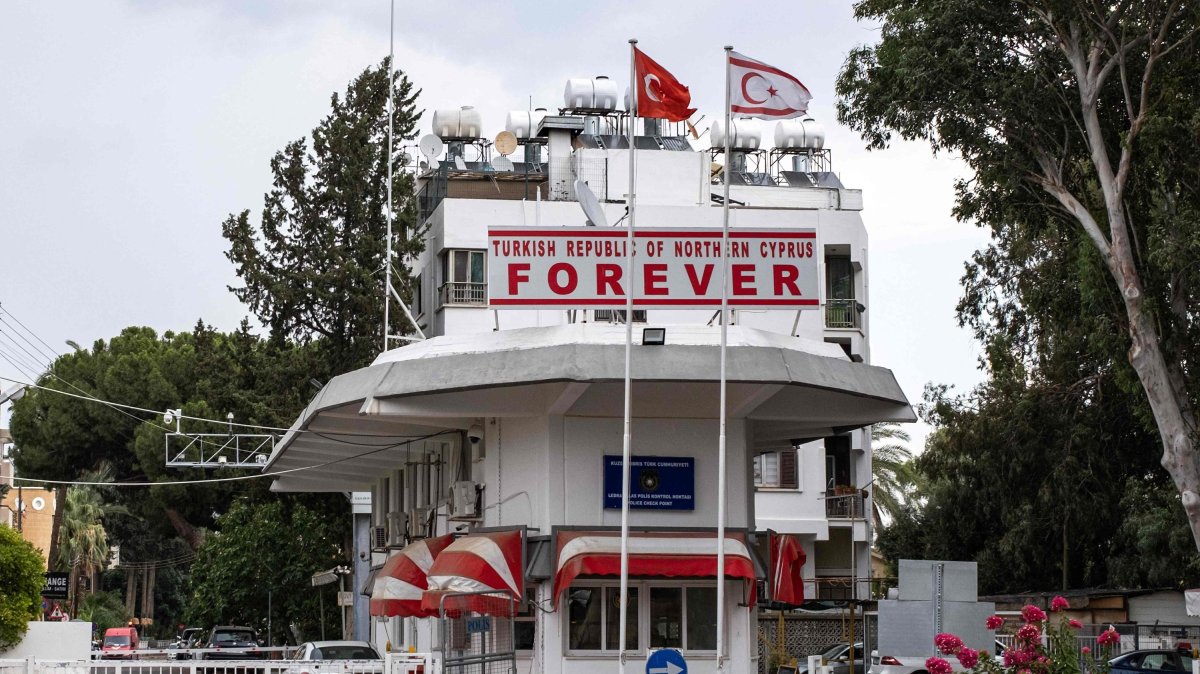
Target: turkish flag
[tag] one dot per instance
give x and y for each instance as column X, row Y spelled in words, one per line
column 659, row 94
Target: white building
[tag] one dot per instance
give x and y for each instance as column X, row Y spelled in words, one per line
column 502, row 420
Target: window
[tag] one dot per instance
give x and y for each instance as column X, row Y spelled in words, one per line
column 675, row 616
column 777, row 469
column 464, row 277
column 839, row 278
column 418, row 303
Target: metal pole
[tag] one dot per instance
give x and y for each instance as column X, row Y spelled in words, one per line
column 270, row 639
column 626, row 440
column 321, row 608
column 20, row 506
column 387, row 260
column 342, row 609
column 724, row 342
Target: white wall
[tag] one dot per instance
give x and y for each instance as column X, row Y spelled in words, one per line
column 1164, row 607
column 53, row 641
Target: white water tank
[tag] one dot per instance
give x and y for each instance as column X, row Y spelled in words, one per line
column 523, row 123
column 746, row 135
column 800, row 134
column 464, row 122
column 597, row 93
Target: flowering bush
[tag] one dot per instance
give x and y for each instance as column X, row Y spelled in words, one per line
column 1039, row 646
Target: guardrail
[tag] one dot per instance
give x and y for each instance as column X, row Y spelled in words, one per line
column 393, row 663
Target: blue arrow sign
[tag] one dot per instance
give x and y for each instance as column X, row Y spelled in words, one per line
column 666, row 661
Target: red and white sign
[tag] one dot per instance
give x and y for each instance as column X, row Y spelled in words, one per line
column 674, row 268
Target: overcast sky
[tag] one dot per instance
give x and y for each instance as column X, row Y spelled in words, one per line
column 130, row 129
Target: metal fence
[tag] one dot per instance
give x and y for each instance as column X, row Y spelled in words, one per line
column 477, row 633
column 841, row 313
column 393, row 663
column 463, row 294
column 844, row 506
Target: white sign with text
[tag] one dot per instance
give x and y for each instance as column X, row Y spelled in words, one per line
column 674, row 268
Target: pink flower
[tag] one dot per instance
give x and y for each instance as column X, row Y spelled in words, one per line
column 1033, row 614
column 1087, row 650
column 1108, row 637
column 948, row 644
column 968, row 657
column 938, row 666
column 1029, row 634
column 995, row 622
column 1059, row 603
column 1075, row 623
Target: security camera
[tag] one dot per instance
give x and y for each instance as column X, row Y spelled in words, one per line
column 475, row 433
column 362, row 556
column 169, row 417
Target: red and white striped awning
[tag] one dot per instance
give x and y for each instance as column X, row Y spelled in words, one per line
column 403, row 579
column 787, row 560
column 478, row 562
column 651, row 554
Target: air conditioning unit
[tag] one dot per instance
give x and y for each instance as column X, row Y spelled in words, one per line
column 397, row 525
column 462, row 500
column 418, row 523
column 378, row 538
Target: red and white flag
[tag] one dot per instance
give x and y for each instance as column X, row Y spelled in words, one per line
column 659, row 94
column 763, row 91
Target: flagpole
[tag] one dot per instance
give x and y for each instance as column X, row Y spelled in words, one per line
column 626, row 439
column 724, row 342
column 387, row 255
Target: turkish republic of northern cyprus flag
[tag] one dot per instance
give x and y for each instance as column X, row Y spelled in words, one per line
column 659, row 94
column 764, row 91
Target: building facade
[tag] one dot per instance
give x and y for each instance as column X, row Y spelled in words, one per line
column 505, row 421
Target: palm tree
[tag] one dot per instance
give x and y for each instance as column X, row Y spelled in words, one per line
column 895, row 476
column 83, row 541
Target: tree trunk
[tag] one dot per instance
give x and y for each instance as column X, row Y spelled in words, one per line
column 186, row 531
column 60, row 505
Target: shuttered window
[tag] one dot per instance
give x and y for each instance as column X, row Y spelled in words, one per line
column 777, row 469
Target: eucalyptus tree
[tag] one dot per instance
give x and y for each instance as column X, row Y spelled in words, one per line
column 1078, row 121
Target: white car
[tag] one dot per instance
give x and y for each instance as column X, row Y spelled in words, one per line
column 342, row 657
column 915, row 664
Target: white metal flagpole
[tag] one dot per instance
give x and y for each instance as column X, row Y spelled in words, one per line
column 627, row 438
column 724, row 342
column 387, row 254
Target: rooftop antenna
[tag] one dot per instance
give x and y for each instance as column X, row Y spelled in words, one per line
column 431, row 146
column 590, row 205
column 506, row 144
column 389, row 291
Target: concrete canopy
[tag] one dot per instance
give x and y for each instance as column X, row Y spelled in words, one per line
column 790, row 388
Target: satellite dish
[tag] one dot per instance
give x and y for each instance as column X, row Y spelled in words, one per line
column 502, row 164
column 405, row 159
column 431, row 146
column 590, row 204
column 459, row 163
column 506, row 142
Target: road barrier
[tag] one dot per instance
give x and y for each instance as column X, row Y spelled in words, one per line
column 393, row 663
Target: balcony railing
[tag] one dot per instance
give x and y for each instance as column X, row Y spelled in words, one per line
column 841, row 313
column 469, row 294
column 844, row 506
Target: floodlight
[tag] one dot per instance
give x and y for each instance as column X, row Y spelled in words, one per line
column 654, row 336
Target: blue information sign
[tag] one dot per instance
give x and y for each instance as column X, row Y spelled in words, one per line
column 655, row 482
column 666, row 661
column 478, row 624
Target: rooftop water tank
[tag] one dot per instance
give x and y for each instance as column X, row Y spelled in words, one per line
column 800, row 134
column 746, row 135
column 597, row 93
column 523, row 123
column 464, row 122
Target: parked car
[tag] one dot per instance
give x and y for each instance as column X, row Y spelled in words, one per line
column 837, row 656
column 119, row 644
column 336, row 650
column 1156, row 660
column 241, row 641
column 915, row 664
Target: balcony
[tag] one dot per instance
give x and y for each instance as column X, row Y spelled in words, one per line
column 842, row 314
column 463, row 294
column 844, row 506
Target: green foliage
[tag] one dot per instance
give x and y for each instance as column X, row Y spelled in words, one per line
column 313, row 267
column 1152, row 546
column 103, row 610
column 1027, row 474
column 895, row 477
column 21, row 580
column 273, row 547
